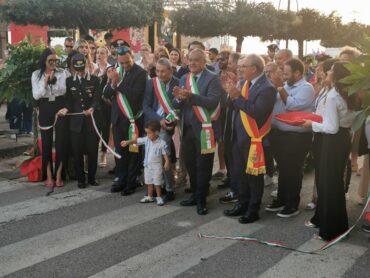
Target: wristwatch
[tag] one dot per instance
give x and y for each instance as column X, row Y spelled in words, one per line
column 279, row 89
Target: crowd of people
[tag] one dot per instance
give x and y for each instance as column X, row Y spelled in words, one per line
column 180, row 106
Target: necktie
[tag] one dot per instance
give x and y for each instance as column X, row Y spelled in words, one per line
column 195, row 78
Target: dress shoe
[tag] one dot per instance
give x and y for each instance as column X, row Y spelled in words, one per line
column 82, row 185
column 170, row 196
column 188, row 203
column 201, row 209
column 237, row 210
column 93, row 183
column 116, row 188
column 188, row 190
column 248, row 219
column 127, row 191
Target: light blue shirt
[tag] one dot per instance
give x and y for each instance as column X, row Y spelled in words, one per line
column 301, row 97
column 154, row 152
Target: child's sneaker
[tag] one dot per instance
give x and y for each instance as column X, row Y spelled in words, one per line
column 160, row 201
column 147, row 199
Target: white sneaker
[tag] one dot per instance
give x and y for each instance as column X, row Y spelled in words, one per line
column 310, row 206
column 147, row 199
column 160, row 201
column 268, row 180
column 274, row 193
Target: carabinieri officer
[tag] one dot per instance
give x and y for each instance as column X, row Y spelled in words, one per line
column 83, row 96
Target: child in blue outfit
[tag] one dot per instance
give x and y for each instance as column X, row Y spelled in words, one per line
column 155, row 152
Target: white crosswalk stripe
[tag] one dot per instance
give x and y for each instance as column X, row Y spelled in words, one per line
column 45, row 246
column 179, row 254
column 330, row 263
column 21, row 210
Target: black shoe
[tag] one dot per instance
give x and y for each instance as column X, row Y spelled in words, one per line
column 201, row 209
column 116, row 188
column 288, row 212
column 112, row 171
column 82, row 185
column 127, row 191
column 365, row 228
column 223, row 185
column 246, row 219
column 229, row 197
column 237, row 210
column 275, row 206
column 170, row 196
column 188, row 190
column 218, row 175
column 93, row 183
column 188, row 203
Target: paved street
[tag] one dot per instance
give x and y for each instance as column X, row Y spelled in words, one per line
column 91, row 232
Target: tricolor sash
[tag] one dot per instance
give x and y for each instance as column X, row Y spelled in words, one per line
column 133, row 131
column 256, row 158
column 207, row 137
column 160, row 91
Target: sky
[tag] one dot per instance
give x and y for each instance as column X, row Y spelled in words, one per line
column 348, row 10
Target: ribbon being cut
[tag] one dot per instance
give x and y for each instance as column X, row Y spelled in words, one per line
column 298, row 118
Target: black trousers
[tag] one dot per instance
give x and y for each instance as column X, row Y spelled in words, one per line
column 290, row 150
column 250, row 187
column 47, row 111
column 83, row 142
column 331, row 214
column 230, row 166
column 128, row 167
column 199, row 166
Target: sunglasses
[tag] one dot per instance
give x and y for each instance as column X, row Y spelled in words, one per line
column 122, row 50
column 68, row 46
column 53, row 61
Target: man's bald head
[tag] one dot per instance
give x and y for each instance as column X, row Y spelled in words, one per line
column 282, row 56
column 197, row 61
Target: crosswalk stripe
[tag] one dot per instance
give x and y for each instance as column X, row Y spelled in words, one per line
column 179, row 254
column 11, row 185
column 34, row 250
column 21, row 210
column 331, row 263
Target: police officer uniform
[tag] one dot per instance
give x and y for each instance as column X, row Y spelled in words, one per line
column 83, row 93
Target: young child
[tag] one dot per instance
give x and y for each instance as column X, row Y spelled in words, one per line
column 155, row 152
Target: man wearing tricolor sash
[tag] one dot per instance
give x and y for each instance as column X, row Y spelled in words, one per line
column 253, row 111
column 198, row 97
column 158, row 106
column 126, row 89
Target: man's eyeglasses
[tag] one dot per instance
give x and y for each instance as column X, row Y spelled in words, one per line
column 68, row 46
column 122, row 50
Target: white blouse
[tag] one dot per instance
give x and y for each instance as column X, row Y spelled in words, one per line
column 50, row 91
column 335, row 114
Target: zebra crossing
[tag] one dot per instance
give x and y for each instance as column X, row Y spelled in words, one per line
column 93, row 233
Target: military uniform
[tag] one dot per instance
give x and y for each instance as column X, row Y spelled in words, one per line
column 84, row 93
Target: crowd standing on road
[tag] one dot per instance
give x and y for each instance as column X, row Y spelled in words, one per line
column 182, row 106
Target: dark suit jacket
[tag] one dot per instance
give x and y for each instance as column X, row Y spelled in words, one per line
column 259, row 106
column 151, row 102
column 83, row 96
column 210, row 94
column 133, row 87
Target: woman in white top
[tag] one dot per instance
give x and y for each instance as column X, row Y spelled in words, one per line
column 331, row 215
column 49, row 89
column 102, row 54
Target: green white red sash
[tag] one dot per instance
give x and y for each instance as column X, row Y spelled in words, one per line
column 133, row 131
column 207, row 137
column 162, row 96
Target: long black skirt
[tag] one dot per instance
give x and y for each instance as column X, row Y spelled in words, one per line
column 331, row 214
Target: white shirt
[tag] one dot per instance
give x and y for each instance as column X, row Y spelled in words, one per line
column 154, row 152
column 335, row 114
column 58, row 89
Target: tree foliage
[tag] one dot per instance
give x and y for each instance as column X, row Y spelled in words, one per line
column 15, row 78
column 83, row 14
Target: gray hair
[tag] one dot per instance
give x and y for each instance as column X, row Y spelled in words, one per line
column 286, row 52
column 200, row 52
column 165, row 62
column 257, row 61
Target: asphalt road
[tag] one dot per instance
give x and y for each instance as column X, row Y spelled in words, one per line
column 92, row 232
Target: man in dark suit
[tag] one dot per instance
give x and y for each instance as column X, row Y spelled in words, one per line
column 129, row 82
column 158, row 107
column 83, row 95
column 199, row 161
column 258, row 106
